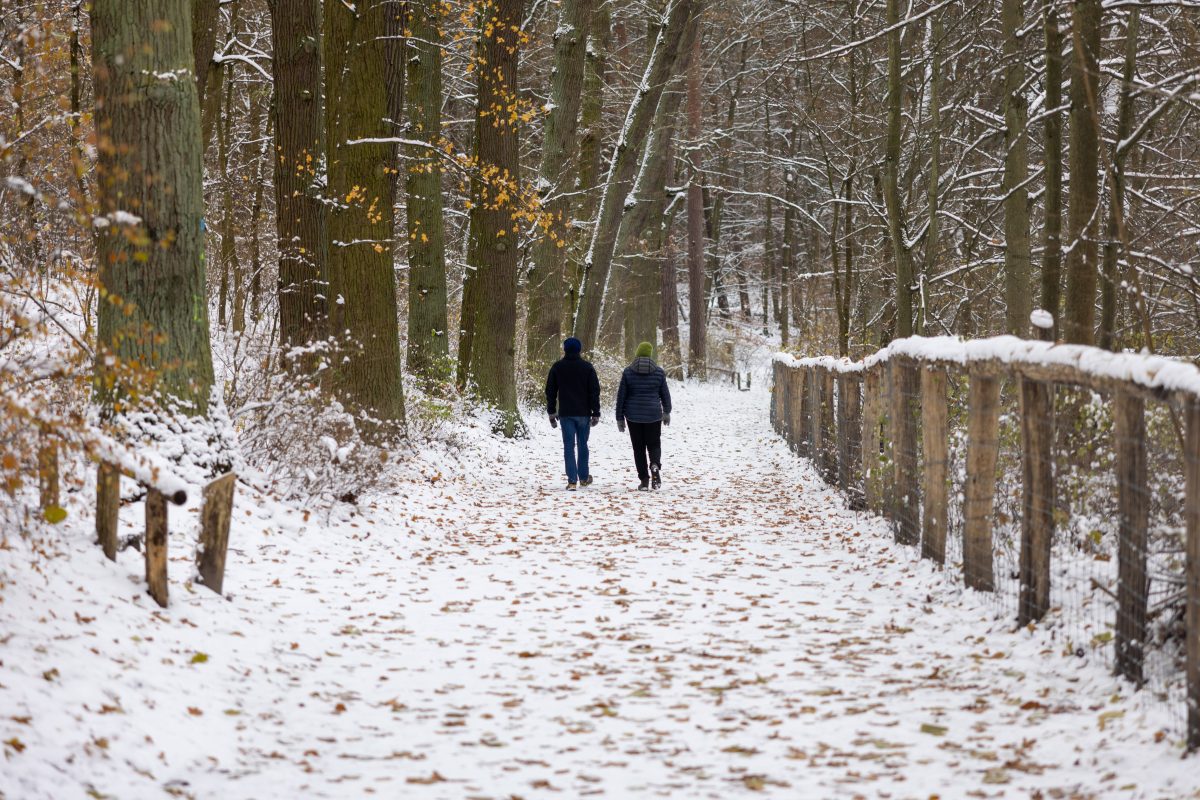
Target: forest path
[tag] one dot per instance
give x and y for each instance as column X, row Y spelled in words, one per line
column 491, row 636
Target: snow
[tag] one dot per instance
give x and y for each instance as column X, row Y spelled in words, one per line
column 1142, row 369
column 1041, row 318
column 481, row 633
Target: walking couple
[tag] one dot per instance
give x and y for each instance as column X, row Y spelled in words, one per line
column 643, row 406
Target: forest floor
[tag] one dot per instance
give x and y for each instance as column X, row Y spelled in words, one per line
column 482, row 633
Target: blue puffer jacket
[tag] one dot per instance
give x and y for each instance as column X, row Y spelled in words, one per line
column 643, row 395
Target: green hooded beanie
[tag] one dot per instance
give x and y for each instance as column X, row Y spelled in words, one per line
column 645, row 350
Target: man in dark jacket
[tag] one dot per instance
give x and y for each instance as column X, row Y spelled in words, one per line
column 644, row 403
column 573, row 399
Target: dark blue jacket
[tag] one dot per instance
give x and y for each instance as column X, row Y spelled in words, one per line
column 572, row 388
column 643, row 395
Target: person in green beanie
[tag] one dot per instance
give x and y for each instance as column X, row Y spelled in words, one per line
column 644, row 406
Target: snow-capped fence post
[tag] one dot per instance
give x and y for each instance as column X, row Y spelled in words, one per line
column 796, row 420
column 849, row 427
column 983, row 446
column 906, row 492
column 872, row 413
column 156, row 545
column 215, row 516
column 1037, row 519
column 812, row 401
column 1191, row 458
column 48, row 495
column 1133, row 504
column 828, row 453
column 935, row 452
column 778, row 391
column 108, row 504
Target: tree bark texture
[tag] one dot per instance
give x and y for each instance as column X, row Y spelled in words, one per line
column 493, row 256
column 362, row 281
column 299, row 127
column 547, row 275
column 428, row 344
column 1017, row 285
column 1082, row 218
column 153, row 308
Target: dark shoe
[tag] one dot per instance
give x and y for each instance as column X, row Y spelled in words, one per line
column 571, row 486
column 586, row 481
column 655, row 477
column 644, row 486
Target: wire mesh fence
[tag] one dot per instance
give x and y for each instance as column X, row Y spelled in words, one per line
column 1063, row 483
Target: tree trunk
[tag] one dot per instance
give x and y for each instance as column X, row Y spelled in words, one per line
column 204, row 42
column 1109, row 296
column 547, row 276
column 697, row 358
column 1079, row 322
column 891, row 177
column 495, row 190
column 362, row 281
column 155, row 309
column 428, row 344
column 1052, row 234
column 1018, row 288
column 591, row 140
column 300, row 213
column 626, row 158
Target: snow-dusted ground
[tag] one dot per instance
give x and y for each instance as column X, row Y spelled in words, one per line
column 488, row 635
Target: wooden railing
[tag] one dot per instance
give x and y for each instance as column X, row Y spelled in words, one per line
column 163, row 488
column 880, row 429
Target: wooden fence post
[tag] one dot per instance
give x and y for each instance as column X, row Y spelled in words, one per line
column 983, row 446
column 906, row 492
column 777, row 396
column 48, row 472
column 814, row 415
column 214, row 531
column 1129, row 431
column 871, row 466
column 108, row 507
column 796, row 415
column 156, row 545
column 828, row 431
column 850, row 437
column 935, row 451
column 1191, row 457
column 1037, row 519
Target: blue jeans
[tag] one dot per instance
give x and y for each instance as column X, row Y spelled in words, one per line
column 575, row 431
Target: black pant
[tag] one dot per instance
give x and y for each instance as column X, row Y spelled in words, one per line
column 646, row 436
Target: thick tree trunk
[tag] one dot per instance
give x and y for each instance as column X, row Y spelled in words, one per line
column 1052, row 234
column 1018, row 288
column 547, row 275
column 626, row 158
column 362, row 280
column 1082, row 219
column 428, row 343
column 697, row 358
column 154, row 309
column 204, row 42
column 300, row 212
column 494, row 253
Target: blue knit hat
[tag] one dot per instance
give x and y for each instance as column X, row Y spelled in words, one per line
column 572, row 345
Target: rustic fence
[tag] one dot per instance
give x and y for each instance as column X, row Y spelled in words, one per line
column 1053, row 477
column 162, row 488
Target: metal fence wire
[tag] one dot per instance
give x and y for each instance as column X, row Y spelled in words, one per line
column 1069, row 497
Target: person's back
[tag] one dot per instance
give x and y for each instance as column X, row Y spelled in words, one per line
column 573, row 399
column 644, row 405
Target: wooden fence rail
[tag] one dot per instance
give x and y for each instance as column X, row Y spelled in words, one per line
column 162, row 489
column 893, row 408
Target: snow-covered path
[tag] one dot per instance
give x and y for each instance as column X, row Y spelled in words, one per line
column 489, row 635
